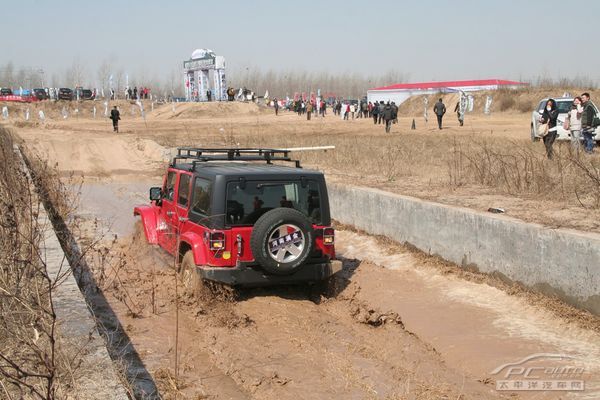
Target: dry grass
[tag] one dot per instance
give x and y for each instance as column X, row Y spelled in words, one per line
column 29, row 362
column 516, row 168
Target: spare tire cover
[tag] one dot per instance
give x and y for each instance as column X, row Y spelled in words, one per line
column 282, row 240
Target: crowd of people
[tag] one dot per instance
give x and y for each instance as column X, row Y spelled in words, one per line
column 135, row 94
column 381, row 112
column 581, row 120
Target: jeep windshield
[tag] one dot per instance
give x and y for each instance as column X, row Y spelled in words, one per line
column 247, row 201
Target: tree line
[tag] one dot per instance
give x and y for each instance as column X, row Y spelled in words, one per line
column 279, row 83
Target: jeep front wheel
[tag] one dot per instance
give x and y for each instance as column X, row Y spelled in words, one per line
column 282, row 240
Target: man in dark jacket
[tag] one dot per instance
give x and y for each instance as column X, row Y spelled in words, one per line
column 439, row 109
column 587, row 119
column 375, row 112
column 115, row 116
column 388, row 116
column 394, row 112
column 381, row 108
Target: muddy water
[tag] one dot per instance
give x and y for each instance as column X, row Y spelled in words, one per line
column 473, row 327
column 113, row 203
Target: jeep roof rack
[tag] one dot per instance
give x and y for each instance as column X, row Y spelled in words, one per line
column 198, row 155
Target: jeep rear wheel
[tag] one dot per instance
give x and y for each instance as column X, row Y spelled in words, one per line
column 190, row 278
column 282, row 240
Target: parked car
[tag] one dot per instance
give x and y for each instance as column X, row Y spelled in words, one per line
column 83, row 94
column 5, row 92
column 40, row 94
column 564, row 106
column 233, row 217
column 65, row 94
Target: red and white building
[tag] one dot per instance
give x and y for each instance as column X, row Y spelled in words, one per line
column 400, row 92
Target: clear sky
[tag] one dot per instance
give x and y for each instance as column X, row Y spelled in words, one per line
column 428, row 40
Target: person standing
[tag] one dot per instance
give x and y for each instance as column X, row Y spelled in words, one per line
column 381, row 108
column 574, row 122
column 346, row 111
column 439, row 109
column 115, row 116
column 459, row 114
column 549, row 116
column 276, row 106
column 352, row 110
column 375, row 112
column 370, row 109
column 587, row 118
column 394, row 113
column 309, row 108
column 388, row 116
column 209, row 95
column 135, row 93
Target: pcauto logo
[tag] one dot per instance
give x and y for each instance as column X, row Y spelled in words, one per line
column 541, row 372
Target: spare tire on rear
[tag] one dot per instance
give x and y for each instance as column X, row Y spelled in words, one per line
column 282, row 239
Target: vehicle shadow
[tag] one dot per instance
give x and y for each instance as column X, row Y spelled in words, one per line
column 315, row 292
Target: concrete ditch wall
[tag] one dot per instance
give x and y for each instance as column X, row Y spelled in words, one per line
column 96, row 376
column 560, row 262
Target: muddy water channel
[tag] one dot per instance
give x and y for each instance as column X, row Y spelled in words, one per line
column 392, row 328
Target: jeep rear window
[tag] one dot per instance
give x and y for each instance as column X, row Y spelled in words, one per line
column 248, row 201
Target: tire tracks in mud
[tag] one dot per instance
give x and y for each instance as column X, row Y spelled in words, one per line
column 277, row 343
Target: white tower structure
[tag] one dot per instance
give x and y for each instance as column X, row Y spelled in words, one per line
column 205, row 72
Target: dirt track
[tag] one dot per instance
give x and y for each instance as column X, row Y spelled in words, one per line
column 394, row 329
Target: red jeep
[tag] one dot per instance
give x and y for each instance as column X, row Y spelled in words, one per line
column 234, row 220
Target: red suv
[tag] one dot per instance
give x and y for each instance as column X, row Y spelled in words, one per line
column 234, row 220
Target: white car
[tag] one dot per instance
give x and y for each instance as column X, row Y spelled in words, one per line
column 564, row 105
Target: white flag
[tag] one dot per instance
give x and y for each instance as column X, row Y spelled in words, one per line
column 141, row 106
column 488, row 105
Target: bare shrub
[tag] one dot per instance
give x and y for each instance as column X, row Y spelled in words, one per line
column 507, row 103
column 525, row 106
column 28, row 350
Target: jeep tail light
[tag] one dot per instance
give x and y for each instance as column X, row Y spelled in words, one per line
column 217, row 241
column 328, row 236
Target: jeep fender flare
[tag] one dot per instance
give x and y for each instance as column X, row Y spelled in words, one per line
column 148, row 217
column 194, row 242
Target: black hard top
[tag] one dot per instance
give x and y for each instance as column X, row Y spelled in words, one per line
column 246, row 169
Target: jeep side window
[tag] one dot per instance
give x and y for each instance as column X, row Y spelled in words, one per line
column 201, row 196
column 169, row 189
column 183, row 194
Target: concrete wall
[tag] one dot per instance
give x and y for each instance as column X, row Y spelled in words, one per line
column 95, row 377
column 554, row 261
